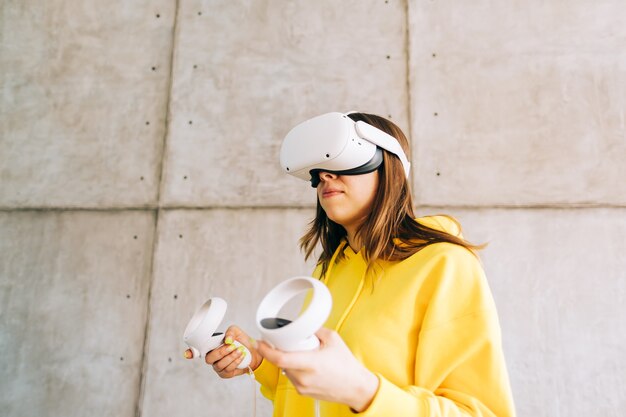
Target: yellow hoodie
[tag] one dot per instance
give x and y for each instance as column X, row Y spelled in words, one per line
column 427, row 328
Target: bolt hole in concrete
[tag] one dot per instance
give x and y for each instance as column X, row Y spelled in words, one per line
column 180, row 236
column 147, row 123
column 436, row 114
column 191, row 122
column 199, row 13
column 153, row 68
column 158, row 15
column 128, row 296
column 135, row 237
column 185, row 177
column 438, row 174
column 175, row 296
column 121, row 358
column 195, row 67
column 141, row 178
column 388, row 57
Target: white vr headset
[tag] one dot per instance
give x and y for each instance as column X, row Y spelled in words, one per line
column 335, row 143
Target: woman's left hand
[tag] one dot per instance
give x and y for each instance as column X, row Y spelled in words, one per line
column 330, row 373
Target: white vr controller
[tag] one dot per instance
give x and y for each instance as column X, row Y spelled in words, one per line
column 201, row 336
column 297, row 335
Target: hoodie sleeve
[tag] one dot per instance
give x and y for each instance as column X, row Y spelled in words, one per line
column 459, row 364
column 267, row 375
column 475, row 381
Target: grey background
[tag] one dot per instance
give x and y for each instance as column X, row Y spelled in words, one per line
column 139, row 176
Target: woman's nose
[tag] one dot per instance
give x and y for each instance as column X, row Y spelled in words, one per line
column 325, row 176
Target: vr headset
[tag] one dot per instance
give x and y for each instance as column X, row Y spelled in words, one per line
column 335, row 143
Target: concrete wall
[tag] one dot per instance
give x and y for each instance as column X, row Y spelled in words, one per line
column 139, row 176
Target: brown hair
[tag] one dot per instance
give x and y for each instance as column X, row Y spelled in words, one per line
column 391, row 216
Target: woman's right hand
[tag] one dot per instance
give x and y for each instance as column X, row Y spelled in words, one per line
column 225, row 358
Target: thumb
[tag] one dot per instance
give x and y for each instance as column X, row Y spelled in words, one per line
column 326, row 335
column 235, row 333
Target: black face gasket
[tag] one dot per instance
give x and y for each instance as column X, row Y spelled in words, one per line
column 370, row 166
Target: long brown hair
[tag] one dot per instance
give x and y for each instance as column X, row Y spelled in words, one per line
column 390, row 231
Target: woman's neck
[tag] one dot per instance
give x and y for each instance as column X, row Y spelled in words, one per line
column 353, row 240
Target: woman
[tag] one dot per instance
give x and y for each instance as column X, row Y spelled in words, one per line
column 413, row 330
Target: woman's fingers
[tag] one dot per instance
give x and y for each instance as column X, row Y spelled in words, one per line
column 235, row 333
column 229, row 362
column 284, row 360
column 231, row 369
column 217, row 354
column 235, row 348
column 268, row 352
column 325, row 335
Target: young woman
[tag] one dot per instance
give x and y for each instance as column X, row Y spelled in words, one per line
column 413, row 330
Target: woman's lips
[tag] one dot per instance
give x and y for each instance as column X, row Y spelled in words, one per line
column 330, row 193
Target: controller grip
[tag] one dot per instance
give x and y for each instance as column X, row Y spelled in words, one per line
column 193, row 352
column 247, row 356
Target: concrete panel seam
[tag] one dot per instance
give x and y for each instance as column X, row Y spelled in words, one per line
column 407, row 48
column 168, row 101
column 90, row 209
column 573, row 206
column 306, row 206
column 144, row 362
column 76, row 209
column 144, row 366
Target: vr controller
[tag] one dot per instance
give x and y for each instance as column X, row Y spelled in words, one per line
column 297, row 335
column 201, row 336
